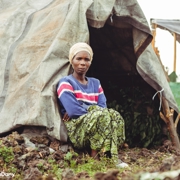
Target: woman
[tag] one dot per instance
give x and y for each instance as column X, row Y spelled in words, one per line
column 83, row 107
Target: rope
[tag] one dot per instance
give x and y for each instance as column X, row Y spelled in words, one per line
column 160, row 97
column 111, row 17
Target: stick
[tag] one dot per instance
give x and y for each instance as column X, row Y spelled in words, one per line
column 177, row 120
column 163, row 117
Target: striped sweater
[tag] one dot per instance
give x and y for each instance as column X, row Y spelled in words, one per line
column 75, row 98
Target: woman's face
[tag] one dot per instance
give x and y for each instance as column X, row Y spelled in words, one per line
column 81, row 62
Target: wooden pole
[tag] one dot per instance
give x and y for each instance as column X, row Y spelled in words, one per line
column 168, row 118
column 154, row 26
column 174, row 52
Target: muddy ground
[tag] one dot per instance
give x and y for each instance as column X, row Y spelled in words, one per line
column 47, row 161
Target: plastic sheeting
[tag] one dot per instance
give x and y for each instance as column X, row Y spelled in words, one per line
column 35, row 37
column 173, row 26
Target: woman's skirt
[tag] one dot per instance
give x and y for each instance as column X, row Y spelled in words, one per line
column 101, row 129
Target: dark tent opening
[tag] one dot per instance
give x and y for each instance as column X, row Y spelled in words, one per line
column 114, row 64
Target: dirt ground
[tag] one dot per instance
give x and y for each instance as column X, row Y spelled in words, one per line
column 17, row 161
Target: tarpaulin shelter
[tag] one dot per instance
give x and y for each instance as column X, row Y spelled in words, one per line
column 171, row 25
column 35, row 37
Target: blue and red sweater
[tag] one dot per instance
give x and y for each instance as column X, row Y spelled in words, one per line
column 75, row 98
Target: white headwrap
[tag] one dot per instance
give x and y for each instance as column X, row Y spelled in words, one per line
column 78, row 47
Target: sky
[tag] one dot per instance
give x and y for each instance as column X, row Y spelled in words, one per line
column 164, row 9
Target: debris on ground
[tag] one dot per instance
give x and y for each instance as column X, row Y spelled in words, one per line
column 47, row 161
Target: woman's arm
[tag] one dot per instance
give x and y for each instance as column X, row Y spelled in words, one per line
column 68, row 100
column 101, row 97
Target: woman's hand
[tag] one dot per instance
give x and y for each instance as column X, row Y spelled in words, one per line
column 66, row 117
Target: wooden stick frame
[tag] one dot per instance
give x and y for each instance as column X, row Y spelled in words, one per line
column 168, row 114
column 167, row 117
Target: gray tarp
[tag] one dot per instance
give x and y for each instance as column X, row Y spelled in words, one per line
column 173, row 26
column 35, row 37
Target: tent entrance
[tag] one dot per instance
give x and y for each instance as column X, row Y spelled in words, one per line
column 114, row 60
column 114, row 64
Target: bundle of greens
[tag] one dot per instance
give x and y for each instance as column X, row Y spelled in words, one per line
column 143, row 126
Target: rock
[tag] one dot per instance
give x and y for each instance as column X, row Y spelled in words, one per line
column 32, row 174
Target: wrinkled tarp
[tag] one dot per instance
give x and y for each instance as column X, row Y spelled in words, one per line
column 172, row 25
column 35, row 37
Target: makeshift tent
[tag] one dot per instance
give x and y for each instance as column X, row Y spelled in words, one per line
column 171, row 25
column 35, row 37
